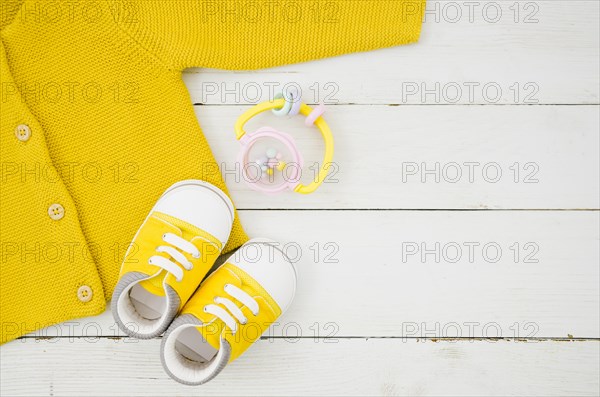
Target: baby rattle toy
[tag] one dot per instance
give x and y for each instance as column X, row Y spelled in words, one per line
column 271, row 162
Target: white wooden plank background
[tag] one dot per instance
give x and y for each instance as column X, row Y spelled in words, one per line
column 353, row 367
column 353, row 281
column 553, row 45
column 373, row 322
column 547, row 156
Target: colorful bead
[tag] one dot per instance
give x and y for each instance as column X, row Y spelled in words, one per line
column 262, row 160
column 271, row 153
column 293, row 102
column 287, row 106
column 314, row 115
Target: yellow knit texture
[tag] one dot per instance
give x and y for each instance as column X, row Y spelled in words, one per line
column 112, row 126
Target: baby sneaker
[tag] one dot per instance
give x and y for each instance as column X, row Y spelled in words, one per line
column 171, row 253
column 232, row 308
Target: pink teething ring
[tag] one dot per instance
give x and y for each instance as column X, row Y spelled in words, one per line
column 293, row 165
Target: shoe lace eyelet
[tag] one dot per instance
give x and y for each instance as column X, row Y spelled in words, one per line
column 204, row 309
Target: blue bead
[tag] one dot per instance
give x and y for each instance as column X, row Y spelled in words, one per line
column 271, row 153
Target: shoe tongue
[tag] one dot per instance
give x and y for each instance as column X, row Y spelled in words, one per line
column 154, row 285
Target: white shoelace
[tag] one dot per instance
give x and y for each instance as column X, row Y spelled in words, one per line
column 238, row 316
column 178, row 258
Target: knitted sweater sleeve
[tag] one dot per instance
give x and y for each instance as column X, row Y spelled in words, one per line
column 234, row 34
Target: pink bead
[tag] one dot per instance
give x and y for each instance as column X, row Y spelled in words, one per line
column 314, row 115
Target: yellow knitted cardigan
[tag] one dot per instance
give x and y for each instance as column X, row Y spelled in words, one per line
column 96, row 122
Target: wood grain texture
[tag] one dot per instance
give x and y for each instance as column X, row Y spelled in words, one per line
column 388, row 276
column 412, row 273
column 551, row 45
column 432, row 157
column 356, row 367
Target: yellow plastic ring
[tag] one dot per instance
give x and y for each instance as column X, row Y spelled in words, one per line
column 319, row 123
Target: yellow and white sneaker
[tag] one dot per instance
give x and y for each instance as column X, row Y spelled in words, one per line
column 171, row 253
column 232, row 308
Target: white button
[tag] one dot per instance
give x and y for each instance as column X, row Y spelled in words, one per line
column 84, row 293
column 56, row 211
column 23, row 132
